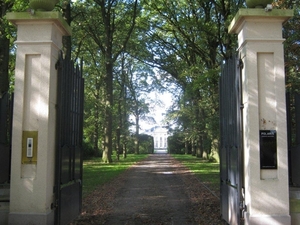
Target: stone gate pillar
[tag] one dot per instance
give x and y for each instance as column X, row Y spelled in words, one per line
column 264, row 115
column 39, row 40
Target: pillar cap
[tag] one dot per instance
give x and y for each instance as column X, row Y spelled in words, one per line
column 39, row 16
column 244, row 14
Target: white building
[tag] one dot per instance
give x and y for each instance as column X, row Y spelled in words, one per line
column 160, row 137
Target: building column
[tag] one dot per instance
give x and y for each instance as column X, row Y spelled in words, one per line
column 39, row 40
column 264, row 115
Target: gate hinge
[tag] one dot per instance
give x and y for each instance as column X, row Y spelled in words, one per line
column 54, row 205
column 57, row 65
column 243, row 207
column 54, row 189
column 240, row 64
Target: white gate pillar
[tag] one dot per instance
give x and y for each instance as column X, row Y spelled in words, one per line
column 39, row 40
column 264, row 115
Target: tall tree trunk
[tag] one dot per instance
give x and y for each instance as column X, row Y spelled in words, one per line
column 124, row 133
column 124, row 150
column 206, row 149
column 121, row 110
column 200, row 147
column 96, row 115
column 193, row 147
column 118, row 143
column 107, row 151
column 136, row 140
column 110, row 54
column 186, row 146
column 96, row 140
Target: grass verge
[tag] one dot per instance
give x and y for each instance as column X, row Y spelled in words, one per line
column 96, row 173
column 207, row 172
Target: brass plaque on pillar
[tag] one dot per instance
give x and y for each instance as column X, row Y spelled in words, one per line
column 268, row 149
column 29, row 147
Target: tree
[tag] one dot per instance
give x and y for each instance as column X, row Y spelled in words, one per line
column 184, row 40
column 4, row 47
column 7, row 37
column 146, row 143
column 110, row 24
column 292, row 61
column 137, row 88
column 122, row 111
column 114, row 19
column 189, row 39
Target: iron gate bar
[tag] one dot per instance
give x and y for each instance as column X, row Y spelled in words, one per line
column 6, row 111
column 294, row 143
column 70, row 94
column 231, row 141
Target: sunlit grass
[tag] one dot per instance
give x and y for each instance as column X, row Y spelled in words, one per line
column 207, row 172
column 96, row 173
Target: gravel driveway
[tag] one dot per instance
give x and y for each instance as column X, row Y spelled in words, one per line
column 157, row 191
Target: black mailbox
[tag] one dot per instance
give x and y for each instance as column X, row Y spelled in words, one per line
column 268, row 149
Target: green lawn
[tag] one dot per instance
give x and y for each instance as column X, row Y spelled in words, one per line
column 96, row 173
column 207, row 172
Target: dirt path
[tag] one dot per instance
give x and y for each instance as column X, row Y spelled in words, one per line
column 158, row 190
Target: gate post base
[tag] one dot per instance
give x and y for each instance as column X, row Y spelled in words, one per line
column 295, row 205
column 269, row 219
column 26, row 218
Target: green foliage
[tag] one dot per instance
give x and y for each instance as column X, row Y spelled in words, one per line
column 96, row 173
column 7, row 38
column 88, row 150
column 188, row 40
column 158, row 44
column 146, row 144
column 291, row 32
column 176, row 143
column 292, row 51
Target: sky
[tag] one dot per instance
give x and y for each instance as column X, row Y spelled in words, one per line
column 158, row 112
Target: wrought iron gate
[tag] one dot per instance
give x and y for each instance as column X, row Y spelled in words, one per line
column 5, row 137
column 293, row 121
column 231, row 142
column 70, row 94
